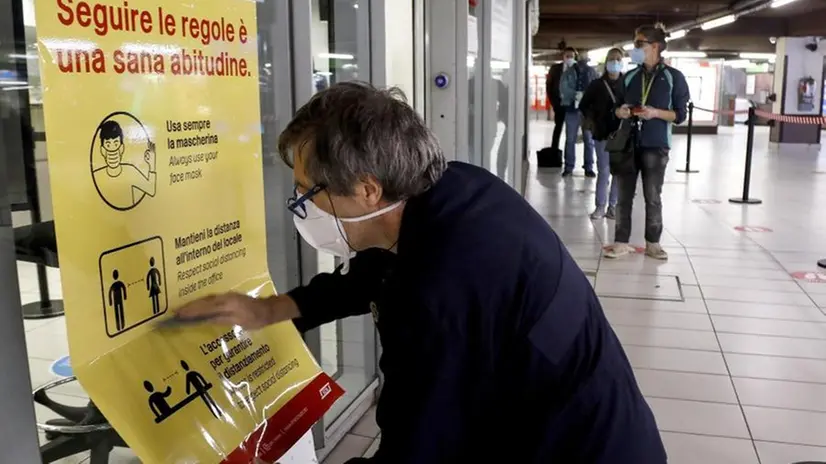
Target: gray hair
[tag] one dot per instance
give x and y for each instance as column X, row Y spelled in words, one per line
column 355, row 130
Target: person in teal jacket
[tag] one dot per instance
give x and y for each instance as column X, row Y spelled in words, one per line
column 654, row 97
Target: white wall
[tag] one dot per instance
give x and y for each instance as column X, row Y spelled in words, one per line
column 802, row 63
column 399, row 47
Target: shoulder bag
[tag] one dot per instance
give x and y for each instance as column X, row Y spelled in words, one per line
column 618, row 144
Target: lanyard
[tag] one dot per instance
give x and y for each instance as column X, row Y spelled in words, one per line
column 646, row 85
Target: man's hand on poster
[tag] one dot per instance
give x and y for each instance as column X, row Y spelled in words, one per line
column 241, row 310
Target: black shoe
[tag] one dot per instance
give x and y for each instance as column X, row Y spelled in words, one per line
column 567, row 173
column 590, row 174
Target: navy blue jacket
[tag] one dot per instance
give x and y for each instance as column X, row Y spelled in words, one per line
column 669, row 91
column 495, row 347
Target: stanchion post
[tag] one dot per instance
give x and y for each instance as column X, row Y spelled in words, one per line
column 689, row 131
column 745, row 200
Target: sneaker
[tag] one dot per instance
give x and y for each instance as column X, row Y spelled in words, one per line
column 567, row 173
column 654, row 250
column 590, row 174
column 598, row 213
column 617, row 250
column 611, row 213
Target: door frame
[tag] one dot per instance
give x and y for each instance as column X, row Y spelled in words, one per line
column 327, row 434
column 19, row 443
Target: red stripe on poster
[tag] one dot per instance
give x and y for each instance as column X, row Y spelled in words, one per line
column 281, row 431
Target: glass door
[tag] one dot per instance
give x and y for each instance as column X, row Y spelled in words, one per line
column 334, row 48
column 26, row 217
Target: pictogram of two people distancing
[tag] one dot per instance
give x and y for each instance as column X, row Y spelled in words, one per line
column 196, row 386
column 133, row 285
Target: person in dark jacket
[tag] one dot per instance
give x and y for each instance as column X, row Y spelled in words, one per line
column 575, row 79
column 598, row 106
column 659, row 96
column 491, row 333
column 552, row 90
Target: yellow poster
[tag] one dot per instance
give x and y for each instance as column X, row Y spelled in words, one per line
column 153, row 137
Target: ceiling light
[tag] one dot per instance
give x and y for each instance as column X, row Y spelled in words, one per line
column 334, row 56
column 677, row 35
column 741, row 64
column 779, row 3
column 718, row 22
column 670, row 54
column 757, row 56
column 628, row 46
column 598, row 54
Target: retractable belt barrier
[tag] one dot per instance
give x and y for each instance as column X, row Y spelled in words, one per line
column 753, row 113
column 806, row 120
column 723, row 112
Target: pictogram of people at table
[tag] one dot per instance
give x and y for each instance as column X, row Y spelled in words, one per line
column 196, row 386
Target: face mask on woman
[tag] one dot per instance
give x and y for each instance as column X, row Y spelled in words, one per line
column 569, row 61
column 614, row 66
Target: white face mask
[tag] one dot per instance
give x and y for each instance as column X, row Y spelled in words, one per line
column 325, row 232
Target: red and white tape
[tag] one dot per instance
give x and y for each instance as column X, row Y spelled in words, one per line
column 723, row 112
column 808, row 120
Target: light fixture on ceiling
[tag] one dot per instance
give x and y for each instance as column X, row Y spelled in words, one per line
column 677, row 35
column 597, row 55
column 758, row 56
column 678, row 54
column 628, row 46
column 722, row 21
column 740, row 64
column 336, row 56
column 779, row 3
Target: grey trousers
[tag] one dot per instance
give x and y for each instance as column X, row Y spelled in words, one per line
column 651, row 164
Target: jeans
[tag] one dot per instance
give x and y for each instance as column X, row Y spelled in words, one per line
column 604, row 177
column 572, row 124
column 559, row 123
column 650, row 163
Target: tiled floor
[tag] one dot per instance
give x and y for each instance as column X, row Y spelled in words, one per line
column 728, row 347
column 363, row 440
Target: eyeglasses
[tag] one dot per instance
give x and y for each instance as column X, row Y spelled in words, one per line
column 296, row 203
column 640, row 43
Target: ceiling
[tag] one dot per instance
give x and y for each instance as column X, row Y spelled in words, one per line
column 590, row 24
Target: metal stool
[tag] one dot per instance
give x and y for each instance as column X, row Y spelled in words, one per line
column 80, row 429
